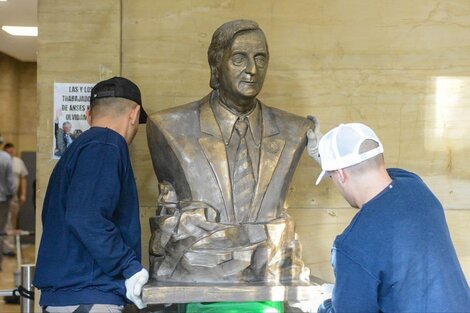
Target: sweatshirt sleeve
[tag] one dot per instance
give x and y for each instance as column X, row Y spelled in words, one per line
column 92, row 199
column 355, row 288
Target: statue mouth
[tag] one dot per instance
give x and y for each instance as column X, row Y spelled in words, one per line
column 247, row 82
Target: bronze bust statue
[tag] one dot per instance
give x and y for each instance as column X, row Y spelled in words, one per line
column 224, row 164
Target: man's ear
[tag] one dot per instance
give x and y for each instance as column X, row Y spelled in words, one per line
column 88, row 116
column 134, row 115
column 342, row 176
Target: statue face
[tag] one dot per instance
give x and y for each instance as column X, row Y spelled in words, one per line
column 243, row 69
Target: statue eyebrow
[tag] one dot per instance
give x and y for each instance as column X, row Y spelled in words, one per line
column 246, row 52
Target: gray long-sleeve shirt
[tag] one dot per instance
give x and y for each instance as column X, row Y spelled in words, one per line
column 6, row 176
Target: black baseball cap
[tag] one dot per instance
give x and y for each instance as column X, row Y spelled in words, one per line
column 119, row 87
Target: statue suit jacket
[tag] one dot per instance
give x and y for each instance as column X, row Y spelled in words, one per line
column 189, row 153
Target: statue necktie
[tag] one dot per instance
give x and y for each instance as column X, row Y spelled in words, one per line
column 243, row 177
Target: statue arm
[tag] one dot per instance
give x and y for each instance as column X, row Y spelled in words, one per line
column 166, row 163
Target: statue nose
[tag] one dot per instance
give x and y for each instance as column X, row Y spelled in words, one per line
column 251, row 67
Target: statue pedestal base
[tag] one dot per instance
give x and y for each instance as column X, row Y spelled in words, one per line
column 170, row 292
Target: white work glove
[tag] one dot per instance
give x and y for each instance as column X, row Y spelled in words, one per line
column 314, row 136
column 327, row 290
column 134, row 286
column 311, row 306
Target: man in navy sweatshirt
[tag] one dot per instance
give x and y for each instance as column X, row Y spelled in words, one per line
column 89, row 258
column 397, row 254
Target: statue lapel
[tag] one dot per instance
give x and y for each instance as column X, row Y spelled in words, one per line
column 214, row 149
column 271, row 150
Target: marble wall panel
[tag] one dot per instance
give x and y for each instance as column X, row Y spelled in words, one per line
column 27, row 108
column 78, row 42
column 402, row 67
column 9, row 85
column 18, row 103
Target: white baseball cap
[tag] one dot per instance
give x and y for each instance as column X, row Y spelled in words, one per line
column 339, row 148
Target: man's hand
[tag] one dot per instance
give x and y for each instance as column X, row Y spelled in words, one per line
column 322, row 294
column 314, row 136
column 134, row 286
column 306, row 306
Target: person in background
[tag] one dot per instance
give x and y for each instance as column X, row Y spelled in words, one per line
column 89, row 258
column 64, row 137
column 397, row 254
column 19, row 197
column 6, row 192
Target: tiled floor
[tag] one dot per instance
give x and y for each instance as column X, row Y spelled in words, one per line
column 10, row 266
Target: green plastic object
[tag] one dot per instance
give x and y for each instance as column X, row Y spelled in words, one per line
column 236, row 307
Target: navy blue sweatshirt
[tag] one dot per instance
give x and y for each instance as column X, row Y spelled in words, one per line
column 91, row 230
column 397, row 255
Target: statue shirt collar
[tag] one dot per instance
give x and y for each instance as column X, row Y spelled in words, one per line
column 226, row 120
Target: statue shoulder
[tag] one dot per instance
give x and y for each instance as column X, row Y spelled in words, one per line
column 291, row 120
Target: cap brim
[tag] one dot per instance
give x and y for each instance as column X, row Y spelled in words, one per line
column 320, row 177
column 143, row 116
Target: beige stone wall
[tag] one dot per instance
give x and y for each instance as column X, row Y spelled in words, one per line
column 28, row 108
column 78, row 42
column 400, row 66
column 18, row 105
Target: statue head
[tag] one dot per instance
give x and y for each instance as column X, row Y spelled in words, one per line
column 238, row 58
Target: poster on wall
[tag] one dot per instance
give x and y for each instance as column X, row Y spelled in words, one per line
column 71, row 101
